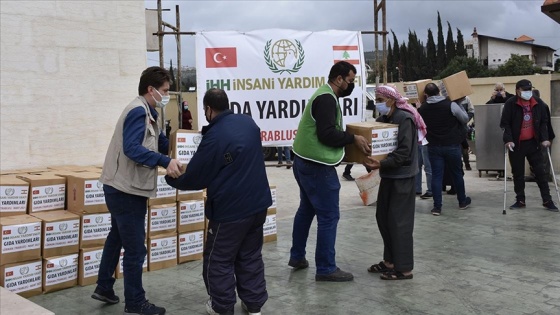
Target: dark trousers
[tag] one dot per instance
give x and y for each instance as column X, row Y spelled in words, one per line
column 128, row 215
column 395, row 218
column 233, row 258
column 441, row 157
column 531, row 150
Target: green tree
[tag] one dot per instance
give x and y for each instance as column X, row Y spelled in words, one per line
column 441, row 58
column 461, row 50
column 416, row 60
column 431, row 57
column 474, row 68
column 172, row 75
column 517, row 65
column 403, row 62
column 450, row 44
column 390, row 63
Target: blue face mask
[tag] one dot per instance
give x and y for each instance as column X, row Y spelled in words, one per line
column 382, row 108
column 526, row 95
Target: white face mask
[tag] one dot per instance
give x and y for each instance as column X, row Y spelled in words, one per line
column 164, row 100
column 526, row 95
column 382, row 108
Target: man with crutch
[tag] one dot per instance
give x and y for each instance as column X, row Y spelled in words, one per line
column 525, row 124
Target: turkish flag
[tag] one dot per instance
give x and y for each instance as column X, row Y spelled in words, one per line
column 222, row 57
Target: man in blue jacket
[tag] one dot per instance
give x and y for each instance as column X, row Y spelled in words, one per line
column 229, row 163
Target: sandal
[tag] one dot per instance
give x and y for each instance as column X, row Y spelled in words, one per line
column 379, row 268
column 395, row 275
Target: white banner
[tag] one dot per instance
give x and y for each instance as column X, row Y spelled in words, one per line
column 271, row 74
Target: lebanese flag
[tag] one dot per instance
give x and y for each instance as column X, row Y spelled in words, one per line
column 350, row 54
column 221, row 57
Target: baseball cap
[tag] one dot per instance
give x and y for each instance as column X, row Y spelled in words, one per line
column 524, row 85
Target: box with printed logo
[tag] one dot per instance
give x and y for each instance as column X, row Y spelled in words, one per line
column 60, row 272
column 273, row 195
column 191, row 246
column 269, row 226
column 414, row 91
column 165, row 194
column 119, row 272
column 183, row 145
column 21, row 238
column 14, row 194
column 183, row 195
column 46, row 192
column 85, row 193
column 60, row 233
column 162, row 252
column 190, row 215
column 162, row 219
column 382, row 136
column 94, row 229
column 88, row 265
column 23, row 278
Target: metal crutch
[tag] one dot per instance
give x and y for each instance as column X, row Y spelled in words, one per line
column 553, row 174
column 505, row 177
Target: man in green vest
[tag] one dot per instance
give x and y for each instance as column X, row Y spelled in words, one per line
column 318, row 148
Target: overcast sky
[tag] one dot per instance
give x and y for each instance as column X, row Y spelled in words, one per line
column 503, row 19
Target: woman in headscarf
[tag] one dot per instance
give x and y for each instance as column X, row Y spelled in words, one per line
column 396, row 197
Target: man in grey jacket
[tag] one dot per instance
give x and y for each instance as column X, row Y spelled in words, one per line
column 129, row 178
column 445, row 121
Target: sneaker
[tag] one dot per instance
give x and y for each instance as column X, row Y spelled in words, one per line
column 337, row 276
column 298, row 264
column 146, row 308
column 250, row 311
column 465, row 204
column 279, row 164
column 348, row 177
column 549, row 205
column 289, row 165
column 105, row 296
column 436, row 211
column 517, row 205
column 211, row 311
column 427, row 195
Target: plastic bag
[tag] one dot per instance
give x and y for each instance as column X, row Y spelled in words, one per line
column 368, row 185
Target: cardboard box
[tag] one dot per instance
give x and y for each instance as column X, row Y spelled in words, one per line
column 32, row 170
column 191, row 246
column 383, row 139
column 190, row 216
column 14, row 194
column 85, row 193
column 183, row 195
column 414, row 91
column 88, row 265
column 183, row 145
column 162, row 219
column 47, row 192
column 273, row 195
column 23, row 278
column 60, row 233
column 456, row 86
column 165, row 194
column 119, row 272
column 21, row 239
column 60, row 272
column 72, row 168
column 269, row 226
column 94, row 229
column 162, row 252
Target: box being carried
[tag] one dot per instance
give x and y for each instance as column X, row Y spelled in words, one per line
column 383, row 139
column 456, row 86
column 414, row 91
column 14, row 193
column 23, row 278
column 184, row 144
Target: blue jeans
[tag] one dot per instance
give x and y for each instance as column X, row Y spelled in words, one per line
column 440, row 156
column 128, row 213
column 319, row 190
column 286, row 151
column 423, row 159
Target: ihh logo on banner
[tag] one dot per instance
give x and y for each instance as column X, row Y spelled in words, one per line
column 284, row 56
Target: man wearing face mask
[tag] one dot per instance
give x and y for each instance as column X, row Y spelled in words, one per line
column 525, row 124
column 318, row 148
column 129, row 178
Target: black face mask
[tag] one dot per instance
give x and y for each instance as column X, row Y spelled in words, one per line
column 348, row 90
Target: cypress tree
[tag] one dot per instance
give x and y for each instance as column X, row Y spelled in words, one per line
column 431, row 56
column 441, row 58
column 461, row 50
column 390, row 62
column 450, row 44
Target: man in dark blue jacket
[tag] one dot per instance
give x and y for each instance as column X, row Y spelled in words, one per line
column 229, row 163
